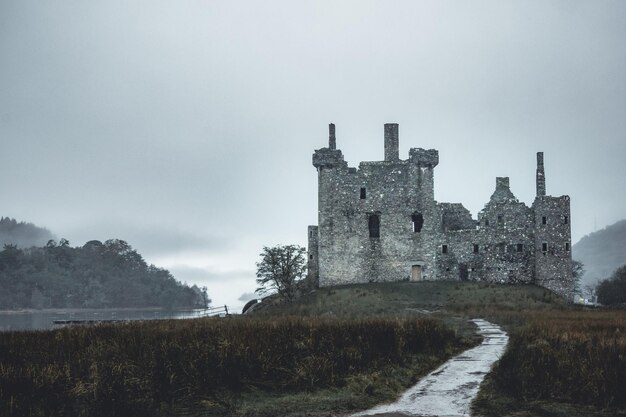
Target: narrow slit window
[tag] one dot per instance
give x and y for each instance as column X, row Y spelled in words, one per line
column 311, row 257
column 418, row 222
column 500, row 219
column 544, row 220
column 544, row 247
column 565, row 220
column 475, row 248
column 520, row 247
column 374, row 225
column 567, row 246
column 362, row 193
column 486, row 222
column 444, row 248
column 311, row 233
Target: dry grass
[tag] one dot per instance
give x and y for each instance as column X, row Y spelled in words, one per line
column 566, row 357
column 151, row 368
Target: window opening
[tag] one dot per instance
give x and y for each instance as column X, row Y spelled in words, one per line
column 500, row 219
column 418, row 222
column 565, row 220
column 486, row 222
column 520, row 247
column 567, row 246
column 311, row 257
column 362, row 193
column 544, row 247
column 374, row 225
column 444, row 248
column 475, row 248
column 544, row 220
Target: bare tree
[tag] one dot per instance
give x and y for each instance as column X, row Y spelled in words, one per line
column 279, row 270
column 578, row 270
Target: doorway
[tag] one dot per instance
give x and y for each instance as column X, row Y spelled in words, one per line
column 416, row 273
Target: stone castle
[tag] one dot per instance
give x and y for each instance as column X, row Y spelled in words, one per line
column 381, row 222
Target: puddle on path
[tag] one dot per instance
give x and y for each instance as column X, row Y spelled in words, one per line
column 449, row 390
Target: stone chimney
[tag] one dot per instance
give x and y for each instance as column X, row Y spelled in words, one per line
column 541, row 176
column 391, row 142
column 332, row 142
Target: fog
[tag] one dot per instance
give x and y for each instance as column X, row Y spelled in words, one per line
column 186, row 127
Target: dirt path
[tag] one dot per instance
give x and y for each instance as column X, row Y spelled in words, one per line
column 449, row 390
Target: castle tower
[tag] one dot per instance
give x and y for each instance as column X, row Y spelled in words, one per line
column 552, row 230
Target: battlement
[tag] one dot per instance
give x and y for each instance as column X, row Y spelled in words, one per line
column 328, row 158
column 424, row 157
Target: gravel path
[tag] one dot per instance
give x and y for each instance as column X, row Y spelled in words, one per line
column 449, row 390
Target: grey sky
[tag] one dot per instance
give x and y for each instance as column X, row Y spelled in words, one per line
column 187, row 127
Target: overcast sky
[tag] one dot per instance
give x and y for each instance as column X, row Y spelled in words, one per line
column 186, row 127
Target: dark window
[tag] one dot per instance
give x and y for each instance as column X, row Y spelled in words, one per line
column 475, row 248
column 544, row 220
column 520, row 247
column 486, row 222
column 374, row 225
column 544, row 247
column 311, row 233
column 444, row 248
column 311, row 257
column 565, row 220
column 500, row 219
column 362, row 193
column 567, row 246
column 418, row 222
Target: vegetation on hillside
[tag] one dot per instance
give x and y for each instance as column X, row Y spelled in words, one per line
column 612, row 291
column 438, row 298
column 217, row 367
column 21, row 234
column 97, row 275
column 602, row 252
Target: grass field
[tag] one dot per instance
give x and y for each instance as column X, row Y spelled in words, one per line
column 232, row 367
column 331, row 352
column 565, row 363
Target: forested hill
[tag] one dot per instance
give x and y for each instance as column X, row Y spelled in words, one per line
column 602, row 252
column 96, row 275
column 23, row 235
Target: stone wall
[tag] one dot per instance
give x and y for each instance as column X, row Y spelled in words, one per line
column 380, row 222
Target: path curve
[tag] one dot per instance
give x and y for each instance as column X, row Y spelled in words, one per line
column 449, row 390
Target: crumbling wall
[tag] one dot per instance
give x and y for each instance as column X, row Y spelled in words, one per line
column 380, row 222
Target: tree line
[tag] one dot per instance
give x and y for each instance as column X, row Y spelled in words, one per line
column 97, row 275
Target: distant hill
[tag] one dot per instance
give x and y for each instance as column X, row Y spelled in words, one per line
column 23, row 235
column 602, row 252
column 96, row 275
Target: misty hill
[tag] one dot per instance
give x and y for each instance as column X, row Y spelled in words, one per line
column 21, row 234
column 96, row 275
column 602, row 252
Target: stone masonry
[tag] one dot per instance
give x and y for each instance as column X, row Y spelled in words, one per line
column 380, row 222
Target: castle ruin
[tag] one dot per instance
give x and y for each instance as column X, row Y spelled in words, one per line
column 381, row 222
